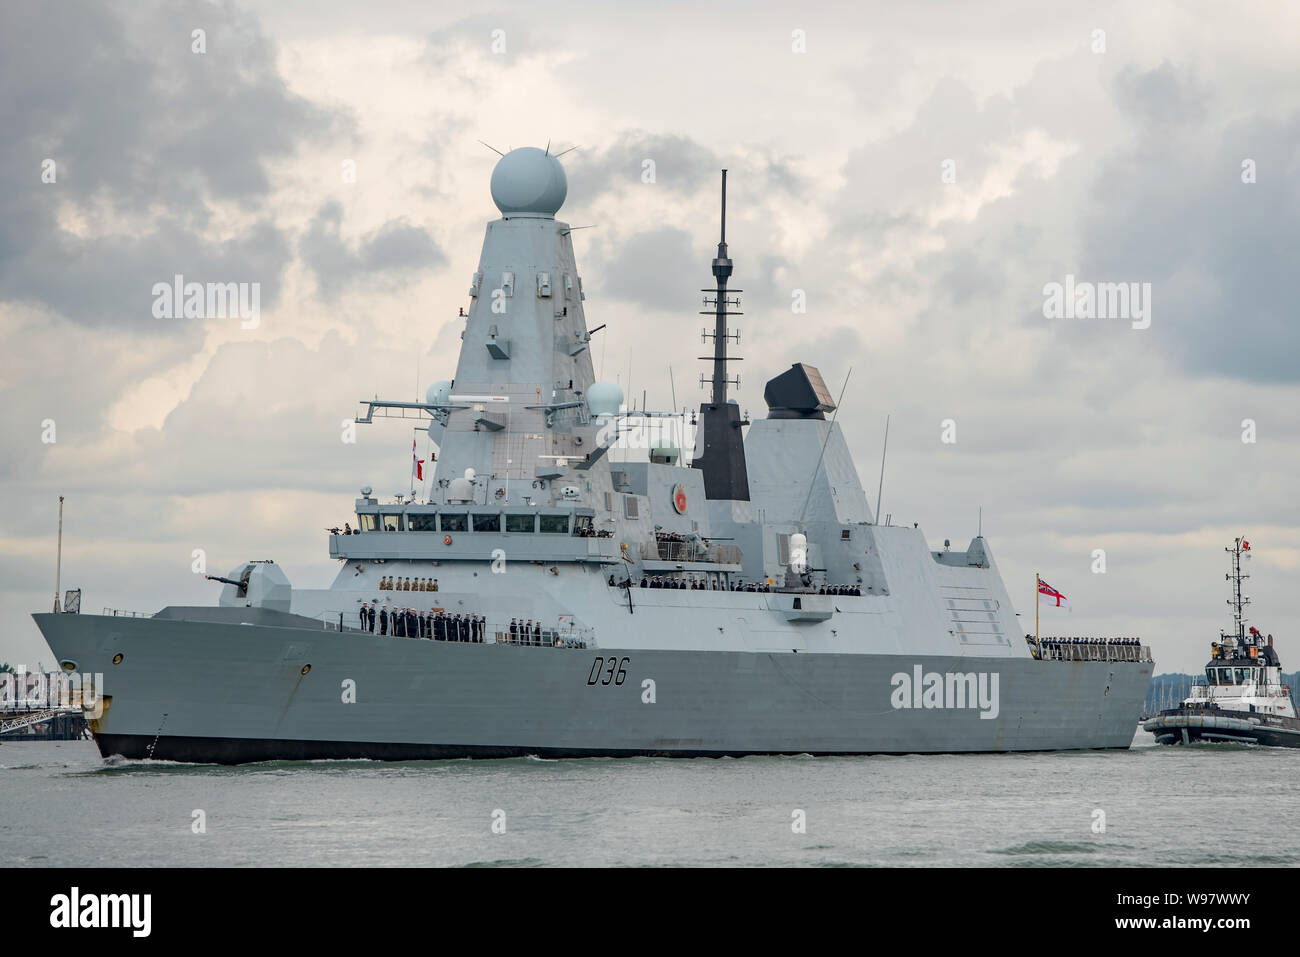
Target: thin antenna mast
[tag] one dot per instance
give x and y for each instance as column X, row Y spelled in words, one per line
column 825, row 442
column 880, row 488
column 58, row 562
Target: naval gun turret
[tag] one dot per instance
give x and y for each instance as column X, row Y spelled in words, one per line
column 255, row 584
column 241, row 585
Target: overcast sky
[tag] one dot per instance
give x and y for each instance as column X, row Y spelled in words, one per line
column 1111, row 156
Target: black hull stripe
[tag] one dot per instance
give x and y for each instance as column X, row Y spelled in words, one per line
column 1273, row 739
column 246, row 750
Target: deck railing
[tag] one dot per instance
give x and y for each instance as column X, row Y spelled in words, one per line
column 1091, row 649
column 676, row 551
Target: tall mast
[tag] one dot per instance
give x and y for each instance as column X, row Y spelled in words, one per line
column 58, row 561
column 723, row 456
column 1237, row 602
column 721, row 273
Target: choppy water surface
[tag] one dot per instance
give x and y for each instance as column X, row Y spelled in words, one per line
column 61, row 804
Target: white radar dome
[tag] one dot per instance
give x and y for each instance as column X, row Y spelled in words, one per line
column 604, row 398
column 438, row 392
column 529, row 181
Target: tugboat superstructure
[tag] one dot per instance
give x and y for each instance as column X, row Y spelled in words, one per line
column 1244, row 698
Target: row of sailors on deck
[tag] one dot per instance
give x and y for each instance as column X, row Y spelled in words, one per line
column 525, row 632
column 657, row 581
column 840, row 590
column 695, row 584
column 1124, row 642
column 436, row 625
column 408, row 584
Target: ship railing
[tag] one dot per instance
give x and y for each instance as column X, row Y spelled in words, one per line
column 678, row 551
column 121, row 613
column 499, row 634
column 549, row 638
column 1093, row 649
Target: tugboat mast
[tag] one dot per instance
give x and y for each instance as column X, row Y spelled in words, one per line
column 1237, row 602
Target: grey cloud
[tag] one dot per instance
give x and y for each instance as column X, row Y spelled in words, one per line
column 1219, row 253
column 657, row 268
column 394, row 249
column 682, row 166
column 145, row 132
column 1165, row 95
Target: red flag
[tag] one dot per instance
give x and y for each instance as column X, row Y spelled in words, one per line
column 417, row 465
column 1245, row 545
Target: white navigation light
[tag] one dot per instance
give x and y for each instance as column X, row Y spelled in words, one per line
column 438, row 393
column 604, row 398
column 529, row 182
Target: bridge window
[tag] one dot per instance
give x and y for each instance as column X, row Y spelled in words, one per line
column 392, row 521
column 368, row 521
column 553, row 523
column 454, row 522
column 422, row 523
column 520, row 523
column 487, row 523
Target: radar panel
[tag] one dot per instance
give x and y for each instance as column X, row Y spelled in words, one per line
column 798, row 392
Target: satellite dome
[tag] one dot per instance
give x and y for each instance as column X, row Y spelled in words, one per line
column 604, row 398
column 529, row 182
column 438, row 392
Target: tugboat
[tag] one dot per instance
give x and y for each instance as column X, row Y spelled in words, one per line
column 1243, row 699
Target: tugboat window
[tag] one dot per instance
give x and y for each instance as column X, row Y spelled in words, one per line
column 487, row 523
column 455, row 522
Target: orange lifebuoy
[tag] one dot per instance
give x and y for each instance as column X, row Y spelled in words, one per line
column 446, row 540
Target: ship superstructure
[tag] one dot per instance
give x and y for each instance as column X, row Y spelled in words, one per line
column 581, row 580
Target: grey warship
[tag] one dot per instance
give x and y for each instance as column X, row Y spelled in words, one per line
column 725, row 592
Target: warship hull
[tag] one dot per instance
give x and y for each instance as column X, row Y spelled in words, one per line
column 231, row 693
